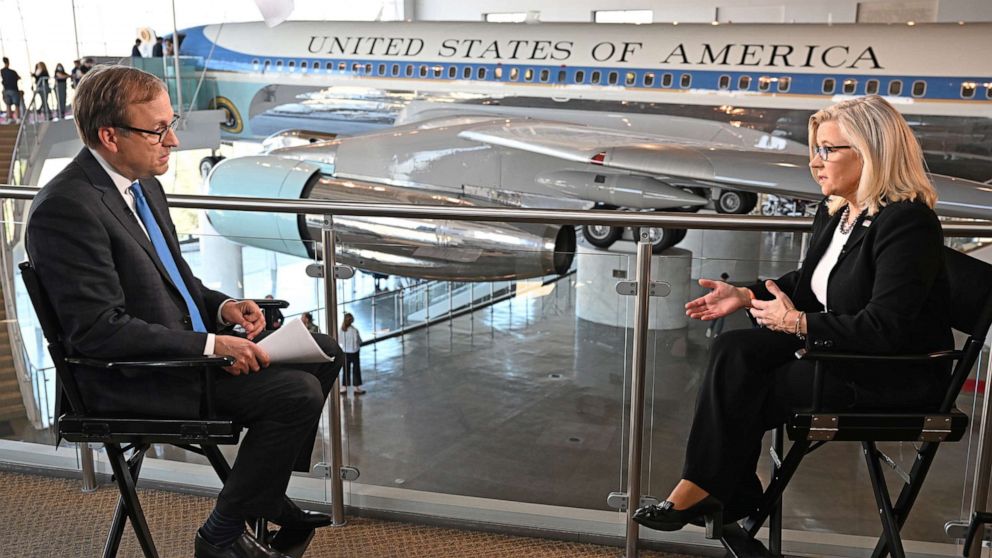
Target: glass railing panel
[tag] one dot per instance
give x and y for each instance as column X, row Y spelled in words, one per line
column 496, row 391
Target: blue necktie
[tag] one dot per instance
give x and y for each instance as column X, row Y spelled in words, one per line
column 165, row 255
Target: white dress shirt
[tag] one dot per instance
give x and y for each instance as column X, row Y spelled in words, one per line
column 818, row 282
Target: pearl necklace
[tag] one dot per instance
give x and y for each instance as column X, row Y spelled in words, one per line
column 845, row 226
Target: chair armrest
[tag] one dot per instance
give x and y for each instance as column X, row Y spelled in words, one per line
column 265, row 303
column 183, row 362
column 803, row 354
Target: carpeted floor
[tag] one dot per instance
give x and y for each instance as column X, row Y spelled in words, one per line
column 49, row 517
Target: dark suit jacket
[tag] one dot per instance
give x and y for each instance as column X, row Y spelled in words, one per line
column 888, row 292
column 110, row 291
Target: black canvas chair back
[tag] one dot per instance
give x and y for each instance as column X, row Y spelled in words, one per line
column 123, row 435
column 970, row 313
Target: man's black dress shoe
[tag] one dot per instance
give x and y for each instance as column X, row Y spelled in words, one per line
column 244, row 546
column 664, row 516
column 295, row 518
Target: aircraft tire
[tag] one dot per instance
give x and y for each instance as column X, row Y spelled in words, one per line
column 661, row 239
column 207, row 164
column 601, row 236
column 736, row 202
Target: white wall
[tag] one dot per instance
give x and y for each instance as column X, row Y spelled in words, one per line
column 742, row 11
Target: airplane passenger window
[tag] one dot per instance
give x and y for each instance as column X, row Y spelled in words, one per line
column 919, row 88
column 562, row 76
column 279, row 65
column 514, row 74
column 423, row 71
column 595, row 77
column 303, row 66
column 631, row 78
column 396, row 69
column 342, row 66
column 409, row 70
column 685, row 81
column 545, row 74
column 968, row 89
column 829, row 85
column 784, row 83
column 452, row 72
column 744, row 83
column 467, row 72
column 481, row 74
column 498, row 72
column 255, row 64
column 355, row 68
column 895, row 87
column 724, row 82
column 368, row 69
column 382, row 69
column 437, row 71
column 580, row 76
column 648, row 79
column 988, row 91
column 871, row 87
column 292, row 65
column 666, row 80
column 612, row 78
column 528, row 74
column 764, row 82
column 266, row 65
column 850, row 85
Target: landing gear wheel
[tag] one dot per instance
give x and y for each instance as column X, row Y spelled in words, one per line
column 735, row 202
column 660, row 239
column 601, row 236
column 207, row 164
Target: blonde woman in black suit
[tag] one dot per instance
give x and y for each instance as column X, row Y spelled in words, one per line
column 872, row 282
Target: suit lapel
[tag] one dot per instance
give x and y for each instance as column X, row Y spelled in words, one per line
column 115, row 203
column 857, row 235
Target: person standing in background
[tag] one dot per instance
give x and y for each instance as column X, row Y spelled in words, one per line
column 136, row 49
column 42, row 88
column 76, row 74
column 11, row 92
column 351, row 343
column 61, row 79
column 157, row 50
column 307, row 319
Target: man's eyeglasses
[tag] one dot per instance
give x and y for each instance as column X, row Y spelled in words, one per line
column 159, row 134
column 824, row 151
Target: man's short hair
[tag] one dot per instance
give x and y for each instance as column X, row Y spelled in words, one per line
column 104, row 94
column 6, row 60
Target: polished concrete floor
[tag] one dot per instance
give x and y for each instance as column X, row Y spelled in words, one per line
column 523, row 401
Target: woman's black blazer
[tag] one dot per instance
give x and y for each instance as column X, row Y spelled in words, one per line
column 888, row 292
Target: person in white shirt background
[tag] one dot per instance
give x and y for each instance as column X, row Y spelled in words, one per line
column 351, row 344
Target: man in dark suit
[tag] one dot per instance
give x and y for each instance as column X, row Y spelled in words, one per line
column 105, row 248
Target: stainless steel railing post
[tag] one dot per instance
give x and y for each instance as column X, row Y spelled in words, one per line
column 641, row 308
column 86, row 463
column 983, row 465
column 331, row 319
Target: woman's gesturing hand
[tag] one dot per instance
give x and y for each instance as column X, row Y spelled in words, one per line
column 722, row 300
column 778, row 314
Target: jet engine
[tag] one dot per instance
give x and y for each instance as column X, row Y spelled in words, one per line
column 427, row 248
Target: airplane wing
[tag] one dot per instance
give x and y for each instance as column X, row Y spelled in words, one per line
column 691, row 162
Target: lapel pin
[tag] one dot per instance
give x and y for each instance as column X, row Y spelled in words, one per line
column 866, row 223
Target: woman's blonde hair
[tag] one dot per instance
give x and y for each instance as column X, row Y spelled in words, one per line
column 892, row 158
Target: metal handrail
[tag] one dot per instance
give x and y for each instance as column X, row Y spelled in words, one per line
column 717, row 221
column 519, row 215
